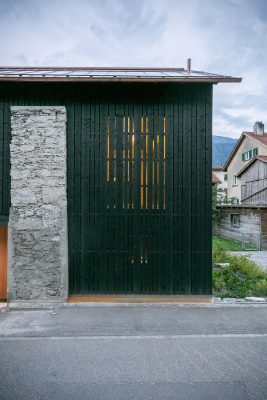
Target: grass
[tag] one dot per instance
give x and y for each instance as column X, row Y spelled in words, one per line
column 229, row 244
column 241, row 278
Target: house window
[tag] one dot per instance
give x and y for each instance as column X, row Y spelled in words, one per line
column 247, row 155
column 225, row 177
column 235, row 182
column 235, row 220
column 234, row 200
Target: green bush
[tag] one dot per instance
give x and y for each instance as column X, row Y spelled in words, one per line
column 241, row 278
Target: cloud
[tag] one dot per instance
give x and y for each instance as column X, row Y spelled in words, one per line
column 228, row 37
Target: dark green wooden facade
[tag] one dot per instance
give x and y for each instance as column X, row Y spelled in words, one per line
column 139, row 182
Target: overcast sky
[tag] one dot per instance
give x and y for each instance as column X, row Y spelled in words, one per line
column 221, row 36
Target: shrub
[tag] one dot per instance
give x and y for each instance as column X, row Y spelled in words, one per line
column 241, row 278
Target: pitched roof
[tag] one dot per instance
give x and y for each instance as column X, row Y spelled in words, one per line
column 260, row 138
column 215, row 178
column 260, row 158
column 101, row 74
column 217, row 168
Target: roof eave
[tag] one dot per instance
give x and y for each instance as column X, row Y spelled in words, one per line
column 185, row 79
column 252, row 161
column 228, row 206
column 231, row 155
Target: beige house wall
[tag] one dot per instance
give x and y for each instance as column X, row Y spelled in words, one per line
column 220, row 175
column 237, row 164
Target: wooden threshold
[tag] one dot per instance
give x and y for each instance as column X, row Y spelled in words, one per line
column 141, row 299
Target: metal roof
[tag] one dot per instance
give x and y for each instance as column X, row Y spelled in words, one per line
column 99, row 74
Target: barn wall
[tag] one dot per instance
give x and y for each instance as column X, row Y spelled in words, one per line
column 191, row 107
column 254, row 184
column 250, row 224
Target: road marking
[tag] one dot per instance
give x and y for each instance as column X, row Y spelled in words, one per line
column 137, row 337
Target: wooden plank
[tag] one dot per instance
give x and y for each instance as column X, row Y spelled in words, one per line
column 196, row 228
column 70, row 185
column 141, row 299
column 112, row 198
column 119, row 267
column 85, row 188
column 208, row 187
column 127, row 200
column 143, row 199
column 77, row 195
column 187, row 200
column 155, row 219
column 151, row 266
column 162, row 272
column 91, row 200
column 168, row 198
column 137, row 271
column 97, row 161
column 103, row 277
column 199, row 266
column 3, row 263
column 177, row 188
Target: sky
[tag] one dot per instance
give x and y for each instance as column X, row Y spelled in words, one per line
column 221, row 36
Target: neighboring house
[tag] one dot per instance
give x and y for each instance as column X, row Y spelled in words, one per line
column 247, row 222
column 221, row 175
column 215, row 183
column 215, row 179
column 249, row 145
column 105, row 181
column 244, row 223
column 253, row 178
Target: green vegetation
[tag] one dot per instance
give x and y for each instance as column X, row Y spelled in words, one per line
column 241, row 278
column 230, row 244
column 226, row 244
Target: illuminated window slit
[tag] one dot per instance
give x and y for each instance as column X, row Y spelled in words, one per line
column 153, row 165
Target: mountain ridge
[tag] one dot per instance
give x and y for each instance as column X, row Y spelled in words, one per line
column 222, row 147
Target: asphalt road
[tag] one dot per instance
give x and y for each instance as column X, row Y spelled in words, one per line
column 135, row 352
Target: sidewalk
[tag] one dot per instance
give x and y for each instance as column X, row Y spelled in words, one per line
column 141, row 352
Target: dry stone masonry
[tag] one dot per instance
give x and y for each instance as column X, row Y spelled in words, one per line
column 38, row 265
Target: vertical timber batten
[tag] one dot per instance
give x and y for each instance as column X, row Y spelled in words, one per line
column 138, row 183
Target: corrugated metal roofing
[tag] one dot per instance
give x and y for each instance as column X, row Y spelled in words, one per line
column 110, row 74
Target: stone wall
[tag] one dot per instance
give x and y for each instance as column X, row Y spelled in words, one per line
column 38, row 262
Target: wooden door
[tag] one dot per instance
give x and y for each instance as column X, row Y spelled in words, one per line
column 3, row 262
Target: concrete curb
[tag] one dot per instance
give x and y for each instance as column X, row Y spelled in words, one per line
column 24, row 305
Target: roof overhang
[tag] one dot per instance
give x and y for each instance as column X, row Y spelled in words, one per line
column 259, row 158
column 99, row 74
column 236, row 147
column 240, row 206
